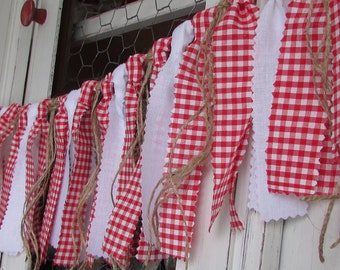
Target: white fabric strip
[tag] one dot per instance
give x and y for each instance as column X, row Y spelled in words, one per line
column 70, row 105
column 111, row 158
column 154, row 149
column 267, row 49
column 10, row 233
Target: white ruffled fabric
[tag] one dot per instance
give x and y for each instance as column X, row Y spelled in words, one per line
column 161, row 101
column 70, row 105
column 111, row 158
column 10, row 232
column 269, row 33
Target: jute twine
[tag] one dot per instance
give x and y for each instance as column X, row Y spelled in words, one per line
column 320, row 70
column 36, row 197
column 134, row 150
column 90, row 186
column 173, row 179
column 143, row 97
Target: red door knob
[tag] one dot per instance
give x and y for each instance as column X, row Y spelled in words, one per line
column 29, row 13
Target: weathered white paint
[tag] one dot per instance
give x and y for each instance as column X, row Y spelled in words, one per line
column 27, row 59
column 134, row 16
column 15, row 48
column 43, row 53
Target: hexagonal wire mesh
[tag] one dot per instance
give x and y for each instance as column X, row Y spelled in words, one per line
column 104, row 33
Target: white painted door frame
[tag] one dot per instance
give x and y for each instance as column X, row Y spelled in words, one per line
column 27, row 59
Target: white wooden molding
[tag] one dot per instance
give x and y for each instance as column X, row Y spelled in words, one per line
column 134, row 16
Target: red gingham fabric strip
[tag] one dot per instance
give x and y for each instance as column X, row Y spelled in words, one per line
column 7, row 121
column 103, row 118
column 335, row 30
column 335, row 35
column 125, row 215
column 6, row 127
column 61, row 127
column 161, row 50
column 35, row 162
column 329, row 167
column 173, row 223
column 233, row 48
column 297, row 121
column 66, row 252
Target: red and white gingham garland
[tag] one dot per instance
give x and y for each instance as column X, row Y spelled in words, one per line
column 61, row 133
column 173, row 222
column 233, row 48
column 67, row 253
column 103, row 119
column 37, row 140
column 297, row 122
column 6, row 127
column 125, row 215
column 161, row 50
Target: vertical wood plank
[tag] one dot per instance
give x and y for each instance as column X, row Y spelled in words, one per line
column 15, row 45
column 43, row 53
column 301, row 239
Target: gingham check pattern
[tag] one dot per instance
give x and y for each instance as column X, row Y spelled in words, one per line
column 233, row 48
column 297, row 122
column 6, row 128
column 82, row 137
column 103, row 119
column 188, row 100
column 335, row 30
column 124, row 217
column 161, row 50
column 329, row 168
column 61, row 138
column 35, row 162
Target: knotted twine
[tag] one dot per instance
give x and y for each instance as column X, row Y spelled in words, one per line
column 36, row 195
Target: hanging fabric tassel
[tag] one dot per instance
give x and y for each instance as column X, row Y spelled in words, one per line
column 57, row 174
column 160, row 50
column 112, row 151
column 127, row 210
column 8, row 122
column 188, row 147
column 269, row 33
column 233, row 42
column 38, row 173
column 68, row 252
column 11, row 242
column 70, row 107
column 297, row 118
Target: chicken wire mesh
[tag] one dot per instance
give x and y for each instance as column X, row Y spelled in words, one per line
column 104, row 33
